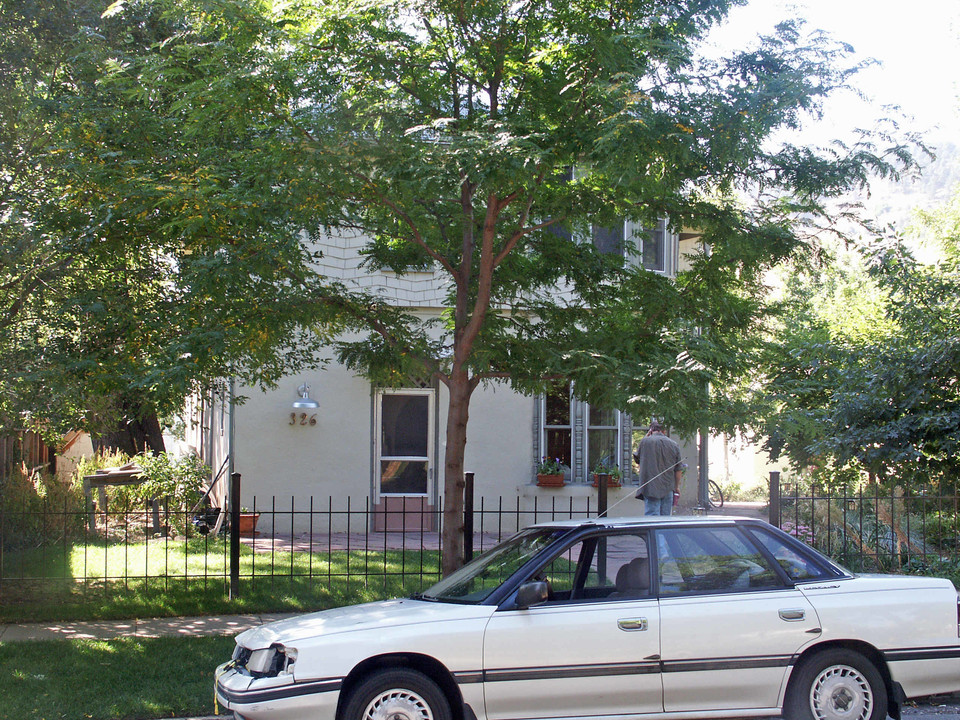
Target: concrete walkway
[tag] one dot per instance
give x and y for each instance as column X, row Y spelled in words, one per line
column 151, row 628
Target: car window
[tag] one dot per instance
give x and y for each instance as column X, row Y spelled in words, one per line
column 478, row 579
column 793, row 563
column 601, row 567
column 711, row 560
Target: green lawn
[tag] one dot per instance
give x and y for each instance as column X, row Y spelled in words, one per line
column 126, row 679
column 160, row 578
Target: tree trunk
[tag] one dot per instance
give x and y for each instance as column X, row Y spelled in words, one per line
column 457, row 414
column 138, row 430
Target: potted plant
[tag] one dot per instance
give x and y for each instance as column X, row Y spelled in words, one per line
column 550, row 473
column 248, row 522
column 611, row 471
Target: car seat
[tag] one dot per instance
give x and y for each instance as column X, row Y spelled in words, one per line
column 633, row 579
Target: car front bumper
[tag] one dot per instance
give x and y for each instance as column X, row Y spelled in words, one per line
column 275, row 698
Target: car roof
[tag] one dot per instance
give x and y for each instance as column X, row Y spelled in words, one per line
column 646, row 521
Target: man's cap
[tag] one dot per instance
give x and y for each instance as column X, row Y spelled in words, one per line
column 656, row 425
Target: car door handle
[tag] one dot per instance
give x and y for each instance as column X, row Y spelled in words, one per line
column 792, row 614
column 632, row 624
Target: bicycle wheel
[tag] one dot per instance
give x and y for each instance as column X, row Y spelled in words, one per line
column 715, row 495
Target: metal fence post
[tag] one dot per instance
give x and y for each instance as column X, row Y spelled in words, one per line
column 234, row 535
column 602, row 479
column 775, row 498
column 467, row 516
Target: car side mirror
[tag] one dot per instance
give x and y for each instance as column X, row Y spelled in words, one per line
column 532, row 593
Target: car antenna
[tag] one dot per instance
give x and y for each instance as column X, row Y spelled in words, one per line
column 600, row 515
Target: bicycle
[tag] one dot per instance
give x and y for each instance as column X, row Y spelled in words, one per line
column 714, row 495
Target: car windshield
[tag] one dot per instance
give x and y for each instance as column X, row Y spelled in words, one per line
column 478, row 579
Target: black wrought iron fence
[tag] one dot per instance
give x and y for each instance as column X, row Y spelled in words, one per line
column 111, row 548
column 874, row 530
column 64, row 549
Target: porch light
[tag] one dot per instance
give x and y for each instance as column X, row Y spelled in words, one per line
column 304, row 401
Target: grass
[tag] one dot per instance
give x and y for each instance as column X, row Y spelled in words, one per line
column 124, row 679
column 162, row 578
column 141, row 678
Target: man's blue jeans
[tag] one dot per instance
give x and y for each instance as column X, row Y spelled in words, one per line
column 657, row 506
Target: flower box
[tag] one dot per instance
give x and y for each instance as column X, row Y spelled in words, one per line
column 550, row 480
column 612, row 480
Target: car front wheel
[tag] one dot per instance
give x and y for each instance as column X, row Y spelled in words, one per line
column 397, row 694
column 836, row 685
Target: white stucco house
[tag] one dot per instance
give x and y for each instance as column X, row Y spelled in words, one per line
column 381, row 448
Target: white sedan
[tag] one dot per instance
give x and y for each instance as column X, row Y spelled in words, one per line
column 679, row 617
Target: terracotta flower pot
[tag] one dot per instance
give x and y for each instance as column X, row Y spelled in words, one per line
column 551, row 480
column 248, row 523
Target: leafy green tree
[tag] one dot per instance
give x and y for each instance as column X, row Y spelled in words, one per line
column 879, row 395
column 191, row 142
column 133, row 270
column 446, row 131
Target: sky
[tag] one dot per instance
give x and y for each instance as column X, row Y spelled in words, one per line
column 917, row 42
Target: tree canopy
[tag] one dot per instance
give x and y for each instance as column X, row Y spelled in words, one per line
column 188, row 144
column 133, row 270
column 867, row 380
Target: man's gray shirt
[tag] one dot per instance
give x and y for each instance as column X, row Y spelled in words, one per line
column 658, row 458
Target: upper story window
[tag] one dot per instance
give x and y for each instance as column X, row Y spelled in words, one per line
column 609, row 240
column 655, row 248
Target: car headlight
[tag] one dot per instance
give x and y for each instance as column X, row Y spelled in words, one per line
column 272, row 661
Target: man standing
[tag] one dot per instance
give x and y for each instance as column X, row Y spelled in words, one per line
column 660, row 471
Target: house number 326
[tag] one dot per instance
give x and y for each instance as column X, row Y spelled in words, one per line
column 303, row 419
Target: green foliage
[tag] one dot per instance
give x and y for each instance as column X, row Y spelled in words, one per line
column 734, row 491
column 180, row 481
column 140, row 259
column 863, row 380
column 38, row 510
column 184, row 146
column 550, row 466
column 606, row 466
column 89, row 464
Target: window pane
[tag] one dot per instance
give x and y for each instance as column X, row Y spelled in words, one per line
column 613, row 567
column 703, row 560
column 601, row 448
column 600, row 417
column 476, row 580
column 558, row 445
column 608, row 240
column 560, row 231
column 621, row 562
column 558, row 406
column 404, row 425
column 403, row 477
column 561, row 572
column 794, row 564
column 653, row 248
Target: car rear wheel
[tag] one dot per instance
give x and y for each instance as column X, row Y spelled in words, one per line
column 836, row 685
column 398, row 694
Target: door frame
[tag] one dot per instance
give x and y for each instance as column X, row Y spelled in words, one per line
column 431, row 494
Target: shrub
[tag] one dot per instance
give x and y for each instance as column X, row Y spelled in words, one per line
column 179, row 481
column 734, row 491
column 38, row 509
